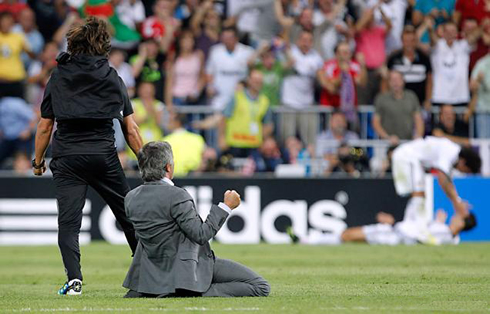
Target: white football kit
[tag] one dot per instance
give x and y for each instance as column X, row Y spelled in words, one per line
column 411, row 159
column 405, row 232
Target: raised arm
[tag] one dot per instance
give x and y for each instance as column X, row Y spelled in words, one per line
column 189, row 221
column 364, row 20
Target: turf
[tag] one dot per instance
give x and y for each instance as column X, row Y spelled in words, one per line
column 343, row 279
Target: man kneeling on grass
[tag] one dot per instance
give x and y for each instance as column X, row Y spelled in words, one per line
column 173, row 257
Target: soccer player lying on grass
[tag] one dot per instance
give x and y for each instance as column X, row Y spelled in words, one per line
column 411, row 160
column 173, row 257
column 387, row 232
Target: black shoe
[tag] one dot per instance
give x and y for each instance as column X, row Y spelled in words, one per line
column 290, row 232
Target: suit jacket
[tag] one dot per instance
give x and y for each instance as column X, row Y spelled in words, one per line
column 173, row 250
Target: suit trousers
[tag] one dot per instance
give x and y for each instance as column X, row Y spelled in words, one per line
column 232, row 279
column 72, row 176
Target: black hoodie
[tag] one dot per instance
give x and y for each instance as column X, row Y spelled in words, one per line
column 84, row 94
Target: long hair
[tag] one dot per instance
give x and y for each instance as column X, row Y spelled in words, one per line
column 91, row 38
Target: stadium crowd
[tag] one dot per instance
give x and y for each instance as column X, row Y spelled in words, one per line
column 251, row 80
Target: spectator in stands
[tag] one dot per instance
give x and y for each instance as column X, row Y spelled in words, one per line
column 450, row 62
column 59, row 37
column 266, row 26
column 439, row 11
column 349, row 161
column 296, row 152
column 415, row 66
column 329, row 140
column 185, row 79
column 130, row 12
column 273, row 69
column 162, row 26
column 298, row 90
column 185, row 11
column 124, row 70
column 370, row 40
column 187, row 147
column 17, row 123
column 397, row 116
column 22, row 164
column 148, row 114
column 49, row 16
column 465, row 9
column 12, row 71
column 451, row 127
column 268, row 156
column 205, row 25
column 227, row 65
column 330, row 27
column 339, row 78
column 148, row 66
column 247, row 118
column 482, row 46
column 39, row 72
column 123, row 36
column 395, row 10
column 304, row 22
column 209, row 161
column 27, row 26
column 13, row 6
column 480, row 86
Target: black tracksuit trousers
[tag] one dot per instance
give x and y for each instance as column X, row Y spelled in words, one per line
column 72, row 175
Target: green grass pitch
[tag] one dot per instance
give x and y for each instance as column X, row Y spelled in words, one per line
column 304, row 279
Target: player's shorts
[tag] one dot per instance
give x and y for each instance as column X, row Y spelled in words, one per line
column 408, row 175
column 442, row 234
column 383, row 234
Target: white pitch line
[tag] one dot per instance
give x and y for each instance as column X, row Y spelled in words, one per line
column 90, row 309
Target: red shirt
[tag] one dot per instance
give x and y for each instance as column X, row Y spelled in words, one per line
column 471, row 9
column 332, row 71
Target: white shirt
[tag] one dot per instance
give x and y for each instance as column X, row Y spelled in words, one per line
column 227, row 70
column 221, row 205
column 395, row 11
column 483, row 66
column 298, row 89
column 129, row 14
column 432, row 152
column 450, row 72
column 126, row 73
column 329, row 37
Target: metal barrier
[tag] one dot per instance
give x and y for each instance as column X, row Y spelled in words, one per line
column 365, row 113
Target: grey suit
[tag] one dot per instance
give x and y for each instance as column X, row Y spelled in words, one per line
column 173, row 253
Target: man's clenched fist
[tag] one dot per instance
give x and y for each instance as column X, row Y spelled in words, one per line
column 232, row 199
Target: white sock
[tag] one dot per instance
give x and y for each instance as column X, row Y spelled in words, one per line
column 415, row 209
column 318, row 238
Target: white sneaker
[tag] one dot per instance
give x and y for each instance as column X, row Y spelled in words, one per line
column 72, row 287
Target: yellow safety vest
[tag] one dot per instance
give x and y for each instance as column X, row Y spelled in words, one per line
column 150, row 130
column 187, row 148
column 244, row 127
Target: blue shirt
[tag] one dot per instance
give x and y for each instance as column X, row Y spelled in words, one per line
column 425, row 6
column 15, row 117
column 35, row 40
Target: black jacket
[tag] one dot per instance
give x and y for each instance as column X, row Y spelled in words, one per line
column 84, row 87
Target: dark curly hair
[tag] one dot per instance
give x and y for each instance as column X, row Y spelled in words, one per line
column 91, row 38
